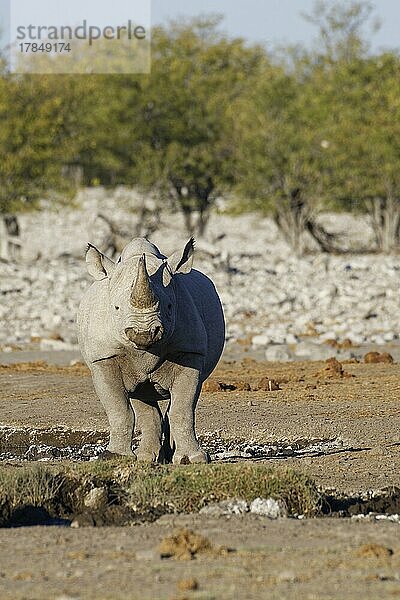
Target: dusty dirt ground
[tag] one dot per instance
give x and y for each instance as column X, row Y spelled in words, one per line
column 314, row 559
column 361, row 406
column 283, row 559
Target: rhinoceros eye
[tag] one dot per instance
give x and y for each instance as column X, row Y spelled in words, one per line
column 116, row 307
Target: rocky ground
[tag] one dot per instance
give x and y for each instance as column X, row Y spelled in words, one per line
column 279, row 305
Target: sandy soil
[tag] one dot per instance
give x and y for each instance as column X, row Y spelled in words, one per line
column 283, row 559
column 360, row 406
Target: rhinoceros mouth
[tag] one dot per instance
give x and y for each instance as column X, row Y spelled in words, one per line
column 144, row 339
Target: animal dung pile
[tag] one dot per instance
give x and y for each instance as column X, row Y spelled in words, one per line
column 213, row 385
column 333, row 370
column 265, row 384
column 187, row 585
column 379, row 357
column 185, row 544
column 374, row 551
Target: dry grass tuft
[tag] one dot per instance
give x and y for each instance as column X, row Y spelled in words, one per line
column 190, row 488
column 151, row 489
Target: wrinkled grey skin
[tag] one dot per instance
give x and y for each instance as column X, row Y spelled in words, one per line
column 150, row 328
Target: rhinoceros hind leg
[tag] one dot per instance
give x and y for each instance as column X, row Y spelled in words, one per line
column 184, row 395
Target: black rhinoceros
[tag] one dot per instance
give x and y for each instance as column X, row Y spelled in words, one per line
column 150, row 328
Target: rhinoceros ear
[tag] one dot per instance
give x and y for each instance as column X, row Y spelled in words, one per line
column 179, row 262
column 98, row 265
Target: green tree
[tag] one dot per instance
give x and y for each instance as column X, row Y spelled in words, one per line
column 40, row 136
column 281, row 138
column 183, row 141
column 362, row 124
column 364, row 146
column 323, row 132
column 344, row 28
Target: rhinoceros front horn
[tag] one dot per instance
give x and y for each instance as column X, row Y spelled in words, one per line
column 142, row 296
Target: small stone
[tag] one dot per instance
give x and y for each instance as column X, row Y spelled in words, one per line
column 286, row 577
column 261, row 340
column 278, row 353
column 268, row 507
column 225, row 507
column 76, row 363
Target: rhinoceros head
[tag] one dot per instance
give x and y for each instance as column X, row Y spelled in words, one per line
column 141, row 291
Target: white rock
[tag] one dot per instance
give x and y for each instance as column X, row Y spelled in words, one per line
column 48, row 344
column 287, row 292
column 279, row 353
column 291, row 339
column 313, row 351
column 329, row 335
column 226, row 507
column 261, row 340
column 268, row 507
column 378, row 339
column 389, row 336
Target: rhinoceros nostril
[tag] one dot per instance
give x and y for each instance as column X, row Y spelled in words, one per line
column 144, row 338
column 157, row 331
column 131, row 332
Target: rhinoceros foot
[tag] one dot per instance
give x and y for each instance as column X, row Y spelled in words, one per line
column 108, row 455
column 200, row 457
column 147, row 456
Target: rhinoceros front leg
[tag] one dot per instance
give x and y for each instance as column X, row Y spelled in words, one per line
column 112, row 394
column 185, row 391
column 149, row 419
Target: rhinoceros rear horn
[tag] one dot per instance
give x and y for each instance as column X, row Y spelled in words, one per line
column 142, row 296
